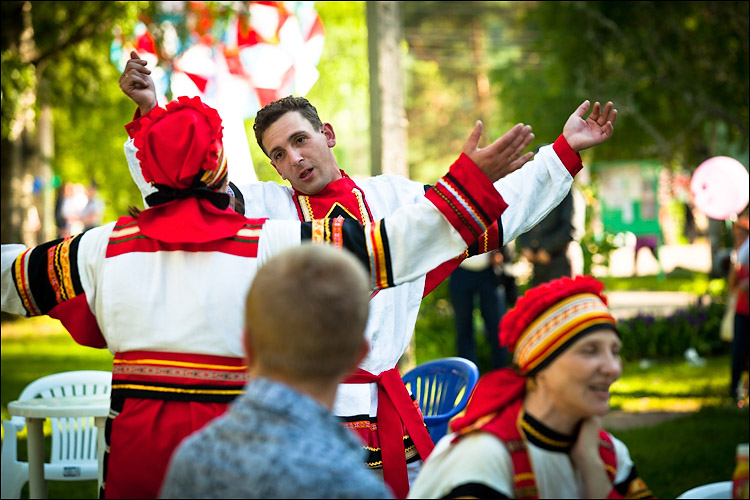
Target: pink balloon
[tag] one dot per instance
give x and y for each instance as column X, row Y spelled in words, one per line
column 720, row 187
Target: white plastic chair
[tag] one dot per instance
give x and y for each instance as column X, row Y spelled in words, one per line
column 722, row 489
column 74, row 440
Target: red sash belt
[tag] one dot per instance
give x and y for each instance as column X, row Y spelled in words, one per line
column 394, row 407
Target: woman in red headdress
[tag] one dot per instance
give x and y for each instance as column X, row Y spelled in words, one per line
column 534, row 430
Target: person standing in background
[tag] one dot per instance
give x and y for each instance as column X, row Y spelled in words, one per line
column 545, row 246
column 473, row 279
column 575, row 251
column 92, row 214
column 738, row 283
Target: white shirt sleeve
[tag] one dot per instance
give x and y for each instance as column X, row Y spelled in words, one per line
column 11, row 301
column 532, row 191
column 135, row 171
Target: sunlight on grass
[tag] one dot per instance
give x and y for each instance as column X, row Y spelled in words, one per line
column 679, row 280
column 35, row 347
column 687, row 404
column 673, row 385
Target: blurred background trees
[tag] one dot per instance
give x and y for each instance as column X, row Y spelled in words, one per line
column 677, row 71
column 62, row 110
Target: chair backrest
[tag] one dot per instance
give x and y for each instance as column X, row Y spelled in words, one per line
column 721, row 489
column 442, row 388
column 73, row 439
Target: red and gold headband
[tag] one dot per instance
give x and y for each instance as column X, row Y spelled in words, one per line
column 550, row 317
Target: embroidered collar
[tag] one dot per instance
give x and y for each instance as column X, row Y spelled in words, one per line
column 544, row 437
column 340, row 198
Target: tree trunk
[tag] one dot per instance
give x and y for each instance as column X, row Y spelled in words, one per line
column 19, row 151
column 47, row 193
column 387, row 113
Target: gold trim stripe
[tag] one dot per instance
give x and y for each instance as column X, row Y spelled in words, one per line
column 455, row 190
column 304, row 204
column 449, row 201
column 377, row 256
column 184, row 364
column 249, row 233
column 541, row 437
column 361, row 205
column 65, row 271
column 22, row 283
column 318, row 230
column 175, row 390
column 126, row 231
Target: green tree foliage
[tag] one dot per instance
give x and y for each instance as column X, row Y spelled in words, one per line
column 677, row 71
column 452, row 49
column 57, row 54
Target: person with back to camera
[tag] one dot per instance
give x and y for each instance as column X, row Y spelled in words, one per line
column 164, row 290
column 279, row 438
column 300, row 147
column 534, row 430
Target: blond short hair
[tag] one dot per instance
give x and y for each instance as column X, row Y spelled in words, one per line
column 306, row 312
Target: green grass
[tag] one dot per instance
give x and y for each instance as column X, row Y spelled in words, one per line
column 34, row 347
column 698, row 448
column 677, row 280
column 672, row 385
column 675, row 456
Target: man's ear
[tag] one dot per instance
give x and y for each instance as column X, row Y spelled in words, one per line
column 330, row 134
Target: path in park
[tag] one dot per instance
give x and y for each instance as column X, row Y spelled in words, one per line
column 626, row 304
column 617, row 420
column 695, row 257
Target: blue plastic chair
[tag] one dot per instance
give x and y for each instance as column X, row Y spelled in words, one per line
column 442, row 388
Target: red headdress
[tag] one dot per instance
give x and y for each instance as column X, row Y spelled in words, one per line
column 181, row 154
column 544, row 322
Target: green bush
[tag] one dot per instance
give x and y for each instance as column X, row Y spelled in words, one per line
column 643, row 336
column 649, row 336
column 435, row 333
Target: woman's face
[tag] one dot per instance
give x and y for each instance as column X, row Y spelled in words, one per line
column 577, row 382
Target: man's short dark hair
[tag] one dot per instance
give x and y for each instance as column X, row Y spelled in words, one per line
column 275, row 110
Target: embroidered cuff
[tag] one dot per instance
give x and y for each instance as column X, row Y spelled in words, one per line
column 467, row 198
column 570, row 158
column 47, row 275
